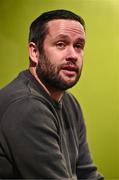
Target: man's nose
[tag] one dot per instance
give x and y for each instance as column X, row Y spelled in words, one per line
column 71, row 54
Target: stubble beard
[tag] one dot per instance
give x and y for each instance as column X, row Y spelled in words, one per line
column 49, row 74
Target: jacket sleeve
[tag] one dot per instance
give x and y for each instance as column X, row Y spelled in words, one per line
column 32, row 141
column 85, row 167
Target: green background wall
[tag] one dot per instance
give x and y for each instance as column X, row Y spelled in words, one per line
column 98, row 89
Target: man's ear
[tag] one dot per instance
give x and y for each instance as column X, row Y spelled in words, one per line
column 33, row 52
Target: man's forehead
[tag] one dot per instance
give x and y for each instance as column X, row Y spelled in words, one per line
column 66, row 23
column 65, row 26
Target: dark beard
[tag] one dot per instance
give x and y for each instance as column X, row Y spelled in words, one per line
column 49, row 74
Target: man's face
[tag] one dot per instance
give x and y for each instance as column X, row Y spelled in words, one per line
column 61, row 61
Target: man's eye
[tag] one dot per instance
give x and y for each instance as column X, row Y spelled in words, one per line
column 79, row 46
column 60, row 45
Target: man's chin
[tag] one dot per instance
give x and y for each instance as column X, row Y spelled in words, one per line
column 66, row 85
column 70, row 82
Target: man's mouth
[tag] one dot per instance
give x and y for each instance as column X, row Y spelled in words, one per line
column 70, row 70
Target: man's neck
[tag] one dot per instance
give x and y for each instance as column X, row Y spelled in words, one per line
column 53, row 92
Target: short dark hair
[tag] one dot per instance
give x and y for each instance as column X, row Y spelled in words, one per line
column 38, row 28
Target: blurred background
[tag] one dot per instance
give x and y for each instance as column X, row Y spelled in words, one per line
column 98, row 88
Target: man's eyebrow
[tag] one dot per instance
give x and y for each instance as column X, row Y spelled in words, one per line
column 66, row 37
column 62, row 36
column 82, row 40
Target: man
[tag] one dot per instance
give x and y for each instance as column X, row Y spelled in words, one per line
column 42, row 131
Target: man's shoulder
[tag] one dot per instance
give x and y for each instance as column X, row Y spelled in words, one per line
column 21, row 95
column 13, row 92
column 14, row 89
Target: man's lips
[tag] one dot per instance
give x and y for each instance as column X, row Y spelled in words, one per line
column 70, row 68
